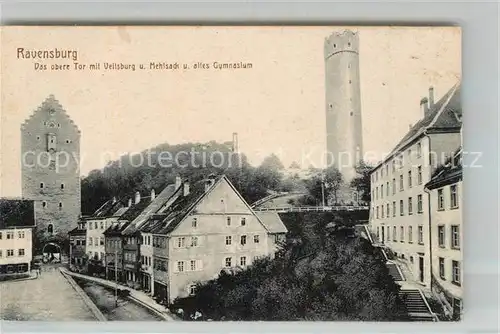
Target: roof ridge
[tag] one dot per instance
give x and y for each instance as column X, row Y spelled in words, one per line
column 443, row 107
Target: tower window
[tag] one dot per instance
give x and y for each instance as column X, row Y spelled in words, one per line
column 38, row 138
column 68, row 141
column 331, row 105
column 334, row 45
column 350, row 81
column 60, row 205
column 62, row 185
column 352, row 113
column 42, row 185
column 44, row 204
column 58, row 125
column 349, row 44
column 50, row 228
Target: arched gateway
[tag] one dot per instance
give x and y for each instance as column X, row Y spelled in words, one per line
column 52, row 252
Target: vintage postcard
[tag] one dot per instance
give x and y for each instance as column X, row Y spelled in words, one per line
column 205, row 173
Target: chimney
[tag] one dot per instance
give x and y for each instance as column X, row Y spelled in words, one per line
column 153, row 195
column 424, row 106
column 178, row 182
column 186, row 189
column 431, row 97
column 235, row 142
column 129, row 202
column 137, row 197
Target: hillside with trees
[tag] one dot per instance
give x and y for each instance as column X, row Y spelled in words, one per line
column 324, row 272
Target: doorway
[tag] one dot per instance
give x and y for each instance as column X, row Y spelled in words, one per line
column 421, row 268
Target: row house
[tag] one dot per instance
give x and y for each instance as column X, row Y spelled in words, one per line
column 17, row 221
column 96, row 225
column 77, row 246
column 446, row 240
column 399, row 214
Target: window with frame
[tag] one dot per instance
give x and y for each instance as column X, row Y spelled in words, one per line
column 194, row 222
column 243, row 261
column 453, row 196
column 228, row 240
column 10, row 252
column 90, row 242
column 440, row 199
column 95, row 225
column 419, row 150
column 441, row 236
column 388, row 233
column 180, row 266
column 455, row 265
column 181, row 242
column 228, row 221
column 20, row 234
column 394, row 208
column 376, row 193
column 455, row 237
column 420, row 207
column 387, row 189
column 419, row 174
column 401, row 208
column 193, row 265
column 256, row 239
column 388, row 211
column 442, row 273
column 192, row 289
column 377, row 212
column 382, row 211
column 394, row 236
column 101, row 241
column 409, row 179
column 394, row 186
column 393, row 166
column 410, row 206
column 402, row 234
column 382, row 191
column 410, row 234
column 243, row 240
column 243, row 221
column 20, row 251
column 421, row 235
column 401, row 183
column 386, row 169
column 228, row 262
column 194, row 241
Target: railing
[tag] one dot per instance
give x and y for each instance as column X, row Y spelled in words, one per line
column 313, row 208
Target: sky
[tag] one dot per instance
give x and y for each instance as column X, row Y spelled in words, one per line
column 278, row 106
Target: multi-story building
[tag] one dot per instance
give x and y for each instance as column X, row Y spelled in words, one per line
column 17, row 220
column 445, row 221
column 50, row 160
column 207, row 227
column 96, row 225
column 399, row 205
column 77, row 246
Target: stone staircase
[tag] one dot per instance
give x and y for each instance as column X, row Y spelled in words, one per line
column 417, row 306
column 395, row 272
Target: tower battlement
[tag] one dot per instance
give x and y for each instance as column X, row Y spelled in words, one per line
column 345, row 41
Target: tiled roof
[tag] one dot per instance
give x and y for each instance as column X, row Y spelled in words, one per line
column 108, row 209
column 135, row 210
column 116, row 228
column 183, row 204
column 77, row 231
column 272, row 222
column 151, row 209
column 16, row 213
column 449, row 173
column 445, row 114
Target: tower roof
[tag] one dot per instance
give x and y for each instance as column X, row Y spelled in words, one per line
column 48, row 105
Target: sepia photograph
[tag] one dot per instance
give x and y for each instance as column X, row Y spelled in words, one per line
column 231, row 173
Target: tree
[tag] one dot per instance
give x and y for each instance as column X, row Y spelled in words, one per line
column 333, row 182
column 362, row 182
column 272, row 162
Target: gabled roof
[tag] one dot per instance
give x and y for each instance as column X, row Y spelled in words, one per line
column 444, row 115
column 51, row 103
column 15, row 213
column 108, row 209
column 182, row 205
column 449, row 173
column 272, row 222
column 135, row 210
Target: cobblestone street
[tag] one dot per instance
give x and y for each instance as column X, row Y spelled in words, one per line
column 47, row 298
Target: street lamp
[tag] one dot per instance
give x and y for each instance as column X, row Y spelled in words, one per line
column 116, row 278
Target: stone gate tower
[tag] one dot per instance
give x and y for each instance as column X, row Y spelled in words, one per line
column 50, row 162
column 343, row 103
